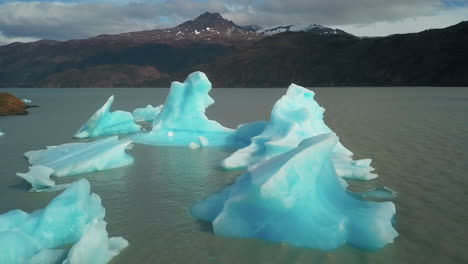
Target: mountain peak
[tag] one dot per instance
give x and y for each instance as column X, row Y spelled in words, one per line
column 207, row 20
column 310, row 28
column 208, row 15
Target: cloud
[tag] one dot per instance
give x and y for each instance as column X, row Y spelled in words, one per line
column 68, row 19
column 4, row 40
column 442, row 19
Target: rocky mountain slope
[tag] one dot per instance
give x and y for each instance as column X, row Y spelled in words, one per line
column 436, row 57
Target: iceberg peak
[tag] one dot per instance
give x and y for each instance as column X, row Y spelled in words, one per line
column 182, row 119
column 295, row 117
column 185, row 106
column 103, row 122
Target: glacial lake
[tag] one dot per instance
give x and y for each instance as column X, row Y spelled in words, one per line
column 417, row 138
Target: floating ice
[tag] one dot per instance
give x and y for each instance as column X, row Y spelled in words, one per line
column 1, row 133
column 203, row 141
column 295, row 117
column 193, row 145
column 95, row 246
column 75, row 158
column 297, row 197
column 182, row 118
column 26, row 101
column 73, row 217
column 104, row 122
column 146, row 114
column 39, row 177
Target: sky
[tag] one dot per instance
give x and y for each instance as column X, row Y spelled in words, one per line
column 27, row 20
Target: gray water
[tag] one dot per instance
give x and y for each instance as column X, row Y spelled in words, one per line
column 417, row 138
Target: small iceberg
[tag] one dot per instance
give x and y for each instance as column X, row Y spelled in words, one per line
column 202, row 142
column 147, row 114
column 297, row 197
column 26, row 101
column 104, row 123
column 70, row 229
column 39, row 177
column 182, row 119
column 75, row 158
column 1, row 133
column 294, row 117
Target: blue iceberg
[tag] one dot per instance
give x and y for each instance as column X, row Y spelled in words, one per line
column 104, row 123
column 297, row 197
column 146, row 114
column 75, row 158
column 74, row 217
column 182, row 119
column 294, row 117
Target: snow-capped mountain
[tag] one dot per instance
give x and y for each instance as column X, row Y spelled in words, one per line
column 313, row 28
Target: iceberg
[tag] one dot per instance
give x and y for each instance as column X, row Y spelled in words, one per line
column 74, row 217
column 75, row 158
column 298, row 198
column 294, row 117
column 26, row 101
column 104, row 123
column 182, row 119
column 146, row 114
column 1, row 133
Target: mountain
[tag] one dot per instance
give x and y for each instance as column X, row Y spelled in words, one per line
column 437, row 57
column 311, row 28
column 207, row 28
column 240, row 56
column 123, row 59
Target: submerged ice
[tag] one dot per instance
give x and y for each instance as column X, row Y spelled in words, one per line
column 376, row 193
column 295, row 117
column 104, row 122
column 75, row 217
column 297, row 197
column 75, row 158
column 182, row 119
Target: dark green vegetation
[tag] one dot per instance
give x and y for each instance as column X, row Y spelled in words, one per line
column 234, row 56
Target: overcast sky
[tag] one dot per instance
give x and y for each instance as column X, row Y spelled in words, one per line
column 66, row 19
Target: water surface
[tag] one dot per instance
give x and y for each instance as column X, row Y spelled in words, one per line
column 417, row 138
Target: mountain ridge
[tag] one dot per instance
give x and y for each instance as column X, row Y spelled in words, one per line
column 239, row 56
